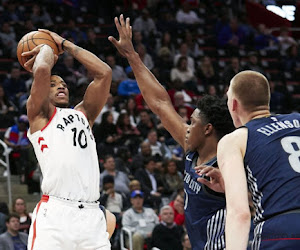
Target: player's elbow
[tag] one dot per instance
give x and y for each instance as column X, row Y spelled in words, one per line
column 241, row 215
column 105, row 72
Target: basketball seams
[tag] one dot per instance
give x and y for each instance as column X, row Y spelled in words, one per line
column 34, row 39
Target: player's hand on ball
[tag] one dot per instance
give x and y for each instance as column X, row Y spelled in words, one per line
column 57, row 38
column 32, row 55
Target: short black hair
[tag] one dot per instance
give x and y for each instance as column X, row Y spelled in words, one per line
column 12, row 215
column 214, row 110
column 108, row 179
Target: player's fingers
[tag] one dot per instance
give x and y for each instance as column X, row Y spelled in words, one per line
column 122, row 21
column 128, row 25
column 30, row 62
column 113, row 40
column 118, row 26
column 204, row 181
column 44, row 30
column 130, row 34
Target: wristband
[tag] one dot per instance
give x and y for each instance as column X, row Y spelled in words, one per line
column 62, row 44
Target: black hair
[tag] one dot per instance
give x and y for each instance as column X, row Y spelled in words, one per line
column 12, row 215
column 108, row 179
column 214, row 110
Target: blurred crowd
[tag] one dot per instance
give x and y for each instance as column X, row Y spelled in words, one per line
column 192, row 47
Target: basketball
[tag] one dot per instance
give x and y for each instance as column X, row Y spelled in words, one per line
column 30, row 41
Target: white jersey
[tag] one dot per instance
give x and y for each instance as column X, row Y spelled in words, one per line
column 66, row 151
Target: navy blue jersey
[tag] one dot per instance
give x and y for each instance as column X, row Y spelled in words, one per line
column 272, row 163
column 204, row 209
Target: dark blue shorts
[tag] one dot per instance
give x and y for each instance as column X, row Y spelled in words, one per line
column 280, row 232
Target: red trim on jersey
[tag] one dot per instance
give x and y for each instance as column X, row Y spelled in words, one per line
column 45, row 198
column 83, row 114
column 49, row 119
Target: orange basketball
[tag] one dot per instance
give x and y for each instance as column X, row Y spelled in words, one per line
column 31, row 40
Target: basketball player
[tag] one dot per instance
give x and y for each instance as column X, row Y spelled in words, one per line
column 204, row 208
column 265, row 152
column 68, row 216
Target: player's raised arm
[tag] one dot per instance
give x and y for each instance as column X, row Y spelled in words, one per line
column 97, row 92
column 230, row 159
column 153, row 92
column 41, row 63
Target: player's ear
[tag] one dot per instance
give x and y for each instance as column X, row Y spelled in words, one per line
column 234, row 104
column 208, row 128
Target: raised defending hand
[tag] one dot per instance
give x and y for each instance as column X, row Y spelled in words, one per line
column 124, row 45
column 216, row 181
column 58, row 39
column 32, row 56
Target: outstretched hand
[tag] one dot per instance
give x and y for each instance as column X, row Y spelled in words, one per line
column 124, row 45
column 216, row 181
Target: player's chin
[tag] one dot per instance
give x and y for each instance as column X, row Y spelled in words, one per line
column 62, row 103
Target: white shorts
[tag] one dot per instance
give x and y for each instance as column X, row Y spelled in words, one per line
column 67, row 225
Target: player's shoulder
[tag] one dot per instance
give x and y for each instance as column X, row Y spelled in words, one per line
column 237, row 135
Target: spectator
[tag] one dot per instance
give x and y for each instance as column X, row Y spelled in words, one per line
column 163, row 65
column 14, row 86
column 151, row 183
column 118, row 73
column 146, row 123
column 177, row 206
column 159, row 149
column 129, row 86
column 139, row 220
column 232, row 69
column 167, row 235
column 187, row 16
column 145, row 57
column 3, row 215
column 110, row 199
column 285, row 40
column 254, row 63
column 121, row 184
column 232, row 36
column 13, row 239
column 192, row 44
column 16, row 138
column 8, row 39
column 19, row 207
column 185, row 241
column 206, row 73
column 109, row 106
column 123, row 160
column 172, row 177
column 144, row 24
column 106, row 135
column 184, row 51
column 91, row 44
column 166, row 42
column 129, row 135
column 181, row 71
column 132, row 111
column 264, row 39
column 7, row 110
column 138, row 159
column 40, row 17
column 74, row 33
column 183, row 99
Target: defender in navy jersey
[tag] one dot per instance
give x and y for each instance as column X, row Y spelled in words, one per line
column 204, row 209
column 265, row 154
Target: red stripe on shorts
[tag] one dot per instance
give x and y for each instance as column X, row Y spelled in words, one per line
column 45, row 198
column 282, row 239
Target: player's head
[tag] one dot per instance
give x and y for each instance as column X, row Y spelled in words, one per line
column 210, row 119
column 249, row 91
column 59, row 93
